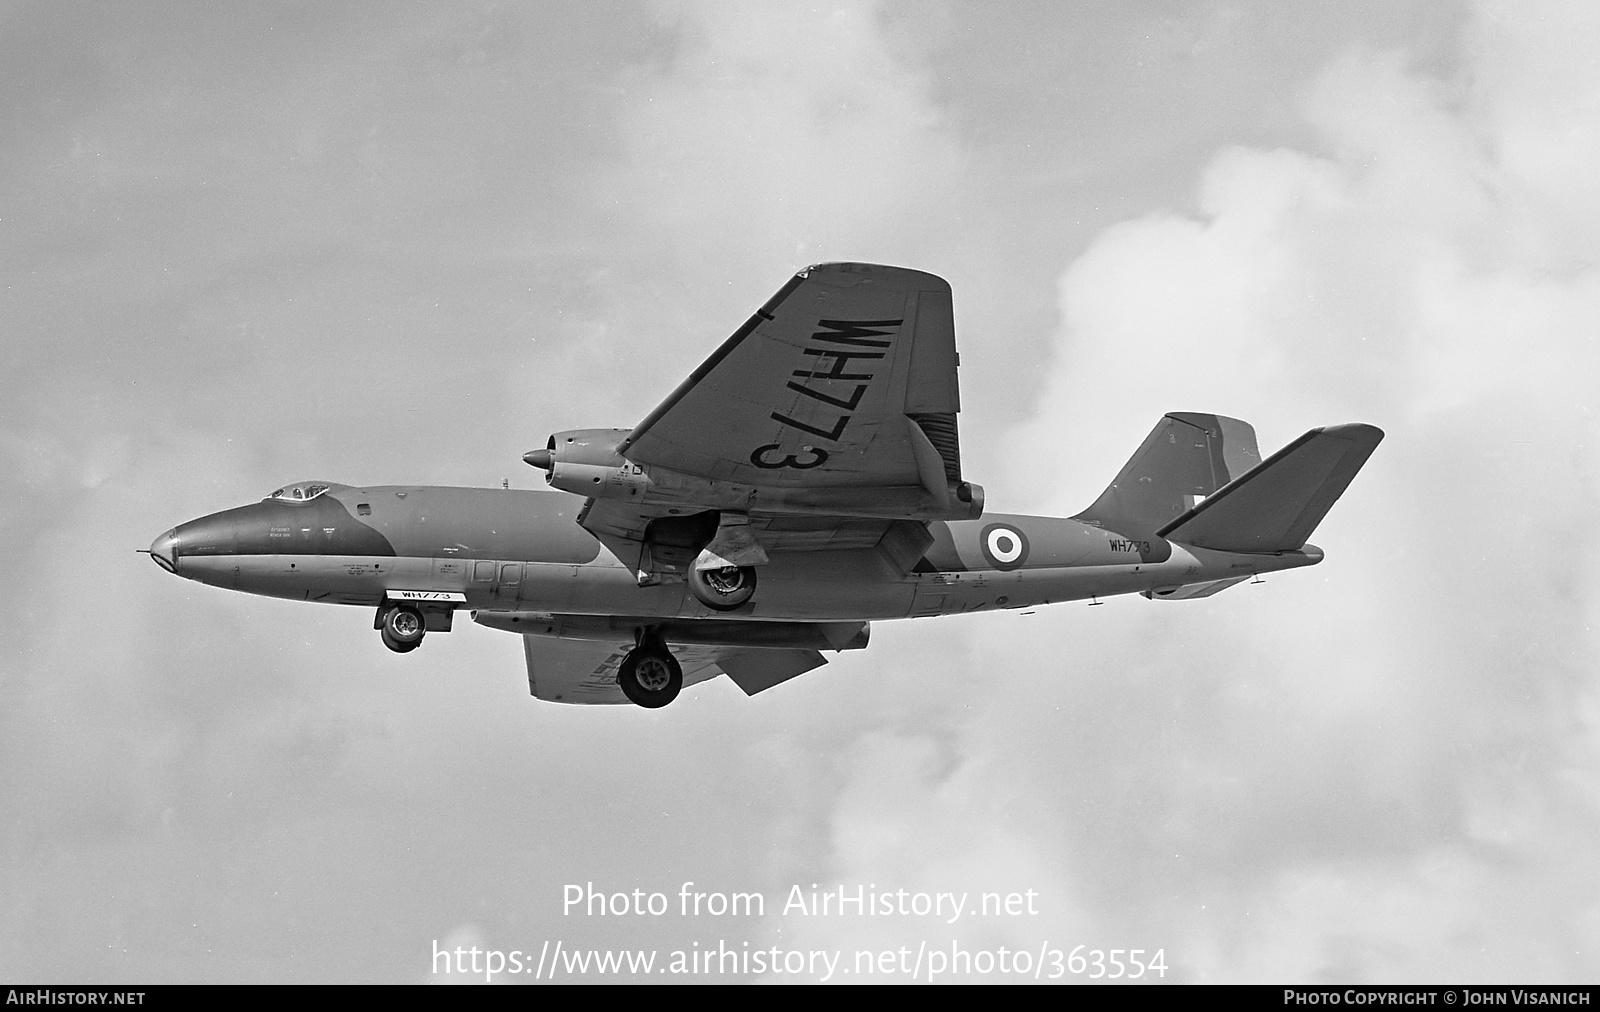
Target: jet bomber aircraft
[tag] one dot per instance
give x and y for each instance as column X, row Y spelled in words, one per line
column 803, row 482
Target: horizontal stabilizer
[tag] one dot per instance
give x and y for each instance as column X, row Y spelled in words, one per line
column 1276, row 506
column 1192, row 591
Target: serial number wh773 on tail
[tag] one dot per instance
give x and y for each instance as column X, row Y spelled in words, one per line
column 804, row 481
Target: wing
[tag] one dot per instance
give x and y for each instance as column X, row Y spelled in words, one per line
column 846, row 377
column 624, row 527
column 830, row 417
column 585, row 671
column 574, row 671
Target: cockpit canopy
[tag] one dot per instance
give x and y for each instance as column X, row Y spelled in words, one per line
column 301, row 491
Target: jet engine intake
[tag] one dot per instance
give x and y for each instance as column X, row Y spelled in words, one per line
column 586, row 462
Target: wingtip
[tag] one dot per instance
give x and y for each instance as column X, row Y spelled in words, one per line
column 907, row 276
column 1356, row 432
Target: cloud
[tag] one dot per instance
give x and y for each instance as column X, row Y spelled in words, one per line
column 1381, row 769
column 783, row 131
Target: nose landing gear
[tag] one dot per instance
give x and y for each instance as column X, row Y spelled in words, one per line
column 401, row 628
column 650, row 676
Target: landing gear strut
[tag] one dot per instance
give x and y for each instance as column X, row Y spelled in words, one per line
column 401, row 628
column 650, row 676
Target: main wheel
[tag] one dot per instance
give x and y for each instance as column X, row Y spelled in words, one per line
column 723, row 589
column 650, row 676
column 403, row 629
column 399, row 648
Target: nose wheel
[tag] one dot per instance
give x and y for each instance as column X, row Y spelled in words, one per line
column 401, row 629
column 650, row 676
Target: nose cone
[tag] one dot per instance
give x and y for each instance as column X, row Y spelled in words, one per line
column 164, row 551
column 538, row 458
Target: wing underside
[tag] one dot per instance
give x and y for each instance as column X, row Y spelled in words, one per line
column 613, row 520
column 846, row 377
column 585, row 671
column 826, row 423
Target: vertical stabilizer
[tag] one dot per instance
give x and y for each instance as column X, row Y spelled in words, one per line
column 1186, row 457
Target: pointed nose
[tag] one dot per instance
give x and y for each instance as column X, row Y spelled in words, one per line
column 164, row 550
column 538, row 458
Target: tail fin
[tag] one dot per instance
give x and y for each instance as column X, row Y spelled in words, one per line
column 1185, row 457
column 1275, row 507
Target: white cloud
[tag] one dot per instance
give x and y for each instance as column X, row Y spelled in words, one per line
column 1369, row 771
column 1382, row 768
column 783, row 135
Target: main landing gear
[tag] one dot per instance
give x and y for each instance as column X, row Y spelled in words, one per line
column 724, row 588
column 650, row 676
column 401, row 628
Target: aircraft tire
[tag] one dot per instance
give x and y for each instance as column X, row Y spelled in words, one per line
column 398, row 648
column 723, row 589
column 650, row 676
column 403, row 629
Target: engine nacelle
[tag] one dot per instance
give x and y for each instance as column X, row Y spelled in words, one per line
column 586, row 462
column 970, row 496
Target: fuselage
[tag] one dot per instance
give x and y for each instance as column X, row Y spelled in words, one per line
column 501, row 550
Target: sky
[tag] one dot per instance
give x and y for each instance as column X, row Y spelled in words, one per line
column 241, row 246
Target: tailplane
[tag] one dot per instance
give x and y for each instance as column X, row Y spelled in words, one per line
column 1186, row 457
column 1276, row 506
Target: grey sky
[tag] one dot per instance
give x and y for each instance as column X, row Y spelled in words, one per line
column 374, row 243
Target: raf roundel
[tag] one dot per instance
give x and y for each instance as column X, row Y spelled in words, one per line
column 1004, row 546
